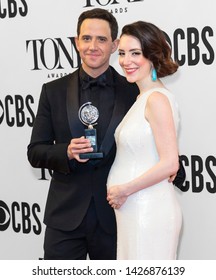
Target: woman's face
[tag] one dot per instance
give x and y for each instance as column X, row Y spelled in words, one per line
column 136, row 67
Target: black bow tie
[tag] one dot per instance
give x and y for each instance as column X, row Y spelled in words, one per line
column 99, row 82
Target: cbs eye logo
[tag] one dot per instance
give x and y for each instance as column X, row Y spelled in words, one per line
column 4, row 216
column 22, row 217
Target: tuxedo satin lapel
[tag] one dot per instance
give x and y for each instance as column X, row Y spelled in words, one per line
column 118, row 113
column 75, row 124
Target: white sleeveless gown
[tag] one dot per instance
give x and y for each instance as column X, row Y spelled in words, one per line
column 149, row 222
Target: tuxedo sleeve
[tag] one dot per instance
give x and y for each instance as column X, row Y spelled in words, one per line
column 46, row 148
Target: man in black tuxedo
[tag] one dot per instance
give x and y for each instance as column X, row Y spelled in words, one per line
column 78, row 218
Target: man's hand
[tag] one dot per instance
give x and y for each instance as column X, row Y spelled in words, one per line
column 79, row 146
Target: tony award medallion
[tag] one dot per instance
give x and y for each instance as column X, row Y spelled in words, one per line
column 88, row 115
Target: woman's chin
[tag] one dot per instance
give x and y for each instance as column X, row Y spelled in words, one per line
column 130, row 79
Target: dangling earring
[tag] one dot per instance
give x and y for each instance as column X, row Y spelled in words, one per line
column 154, row 75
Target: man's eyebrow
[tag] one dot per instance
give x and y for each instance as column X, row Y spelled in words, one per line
column 99, row 36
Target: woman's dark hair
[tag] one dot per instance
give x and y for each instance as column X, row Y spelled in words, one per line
column 154, row 46
column 99, row 14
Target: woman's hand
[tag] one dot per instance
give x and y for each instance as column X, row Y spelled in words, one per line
column 116, row 196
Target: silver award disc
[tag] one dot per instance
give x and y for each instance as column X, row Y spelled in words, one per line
column 88, row 114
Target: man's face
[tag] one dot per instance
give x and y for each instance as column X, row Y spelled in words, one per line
column 95, row 46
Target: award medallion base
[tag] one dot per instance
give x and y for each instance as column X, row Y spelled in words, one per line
column 91, row 155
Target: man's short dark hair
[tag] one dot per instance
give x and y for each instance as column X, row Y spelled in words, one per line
column 99, row 14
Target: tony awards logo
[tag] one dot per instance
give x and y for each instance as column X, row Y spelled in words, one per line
column 88, row 115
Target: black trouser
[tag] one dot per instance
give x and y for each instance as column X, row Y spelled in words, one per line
column 88, row 239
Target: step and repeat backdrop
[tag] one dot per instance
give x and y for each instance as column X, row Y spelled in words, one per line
column 37, row 46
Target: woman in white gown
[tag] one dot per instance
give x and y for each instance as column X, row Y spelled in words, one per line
column 147, row 212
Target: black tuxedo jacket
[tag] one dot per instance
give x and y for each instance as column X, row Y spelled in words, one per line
column 74, row 184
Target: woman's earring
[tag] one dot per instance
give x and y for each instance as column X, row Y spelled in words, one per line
column 154, row 75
